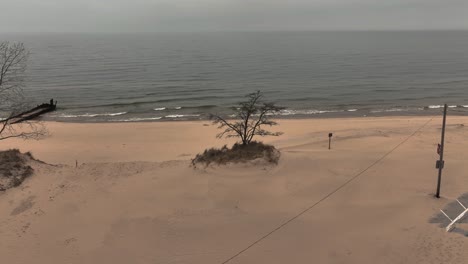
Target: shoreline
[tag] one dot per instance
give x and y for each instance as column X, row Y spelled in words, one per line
column 291, row 117
column 164, row 141
column 193, row 113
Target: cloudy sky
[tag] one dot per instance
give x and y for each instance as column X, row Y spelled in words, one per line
column 229, row 15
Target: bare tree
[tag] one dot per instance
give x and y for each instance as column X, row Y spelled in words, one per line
column 13, row 57
column 252, row 116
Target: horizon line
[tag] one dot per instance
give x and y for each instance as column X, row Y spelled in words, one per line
column 230, row 31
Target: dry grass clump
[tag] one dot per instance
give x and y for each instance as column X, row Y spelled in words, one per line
column 238, row 154
column 14, row 168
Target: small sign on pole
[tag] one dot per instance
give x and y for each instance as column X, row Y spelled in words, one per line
column 330, row 135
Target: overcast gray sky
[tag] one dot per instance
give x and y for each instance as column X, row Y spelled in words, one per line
column 227, row 15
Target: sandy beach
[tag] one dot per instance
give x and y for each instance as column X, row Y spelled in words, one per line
column 135, row 199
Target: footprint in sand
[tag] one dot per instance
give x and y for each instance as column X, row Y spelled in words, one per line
column 69, row 241
column 25, row 205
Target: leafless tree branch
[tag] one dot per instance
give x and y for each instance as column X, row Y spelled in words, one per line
column 252, row 115
column 13, row 58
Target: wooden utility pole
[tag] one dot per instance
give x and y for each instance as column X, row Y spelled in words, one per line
column 440, row 162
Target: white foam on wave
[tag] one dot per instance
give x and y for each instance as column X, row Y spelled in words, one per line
column 389, row 110
column 136, row 119
column 91, row 115
column 115, row 114
column 74, row 116
column 435, row 106
column 179, row 116
column 323, row 111
column 351, row 110
column 441, row 106
column 159, row 109
column 178, row 107
column 288, row 112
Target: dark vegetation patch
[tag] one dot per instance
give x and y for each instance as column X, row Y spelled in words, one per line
column 14, row 168
column 238, row 154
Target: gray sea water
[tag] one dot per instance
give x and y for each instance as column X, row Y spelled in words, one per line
column 180, row 76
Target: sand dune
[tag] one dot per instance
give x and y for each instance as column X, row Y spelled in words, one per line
column 135, row 199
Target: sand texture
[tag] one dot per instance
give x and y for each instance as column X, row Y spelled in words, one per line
column 134, row 198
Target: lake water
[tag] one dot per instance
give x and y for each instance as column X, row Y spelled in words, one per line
column 180, row 76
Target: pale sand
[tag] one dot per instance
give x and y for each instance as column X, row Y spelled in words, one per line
column 154, row 208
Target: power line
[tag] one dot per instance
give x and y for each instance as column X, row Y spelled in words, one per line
column 328, row 195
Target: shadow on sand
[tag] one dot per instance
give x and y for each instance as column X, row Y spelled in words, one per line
column 453, row 209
